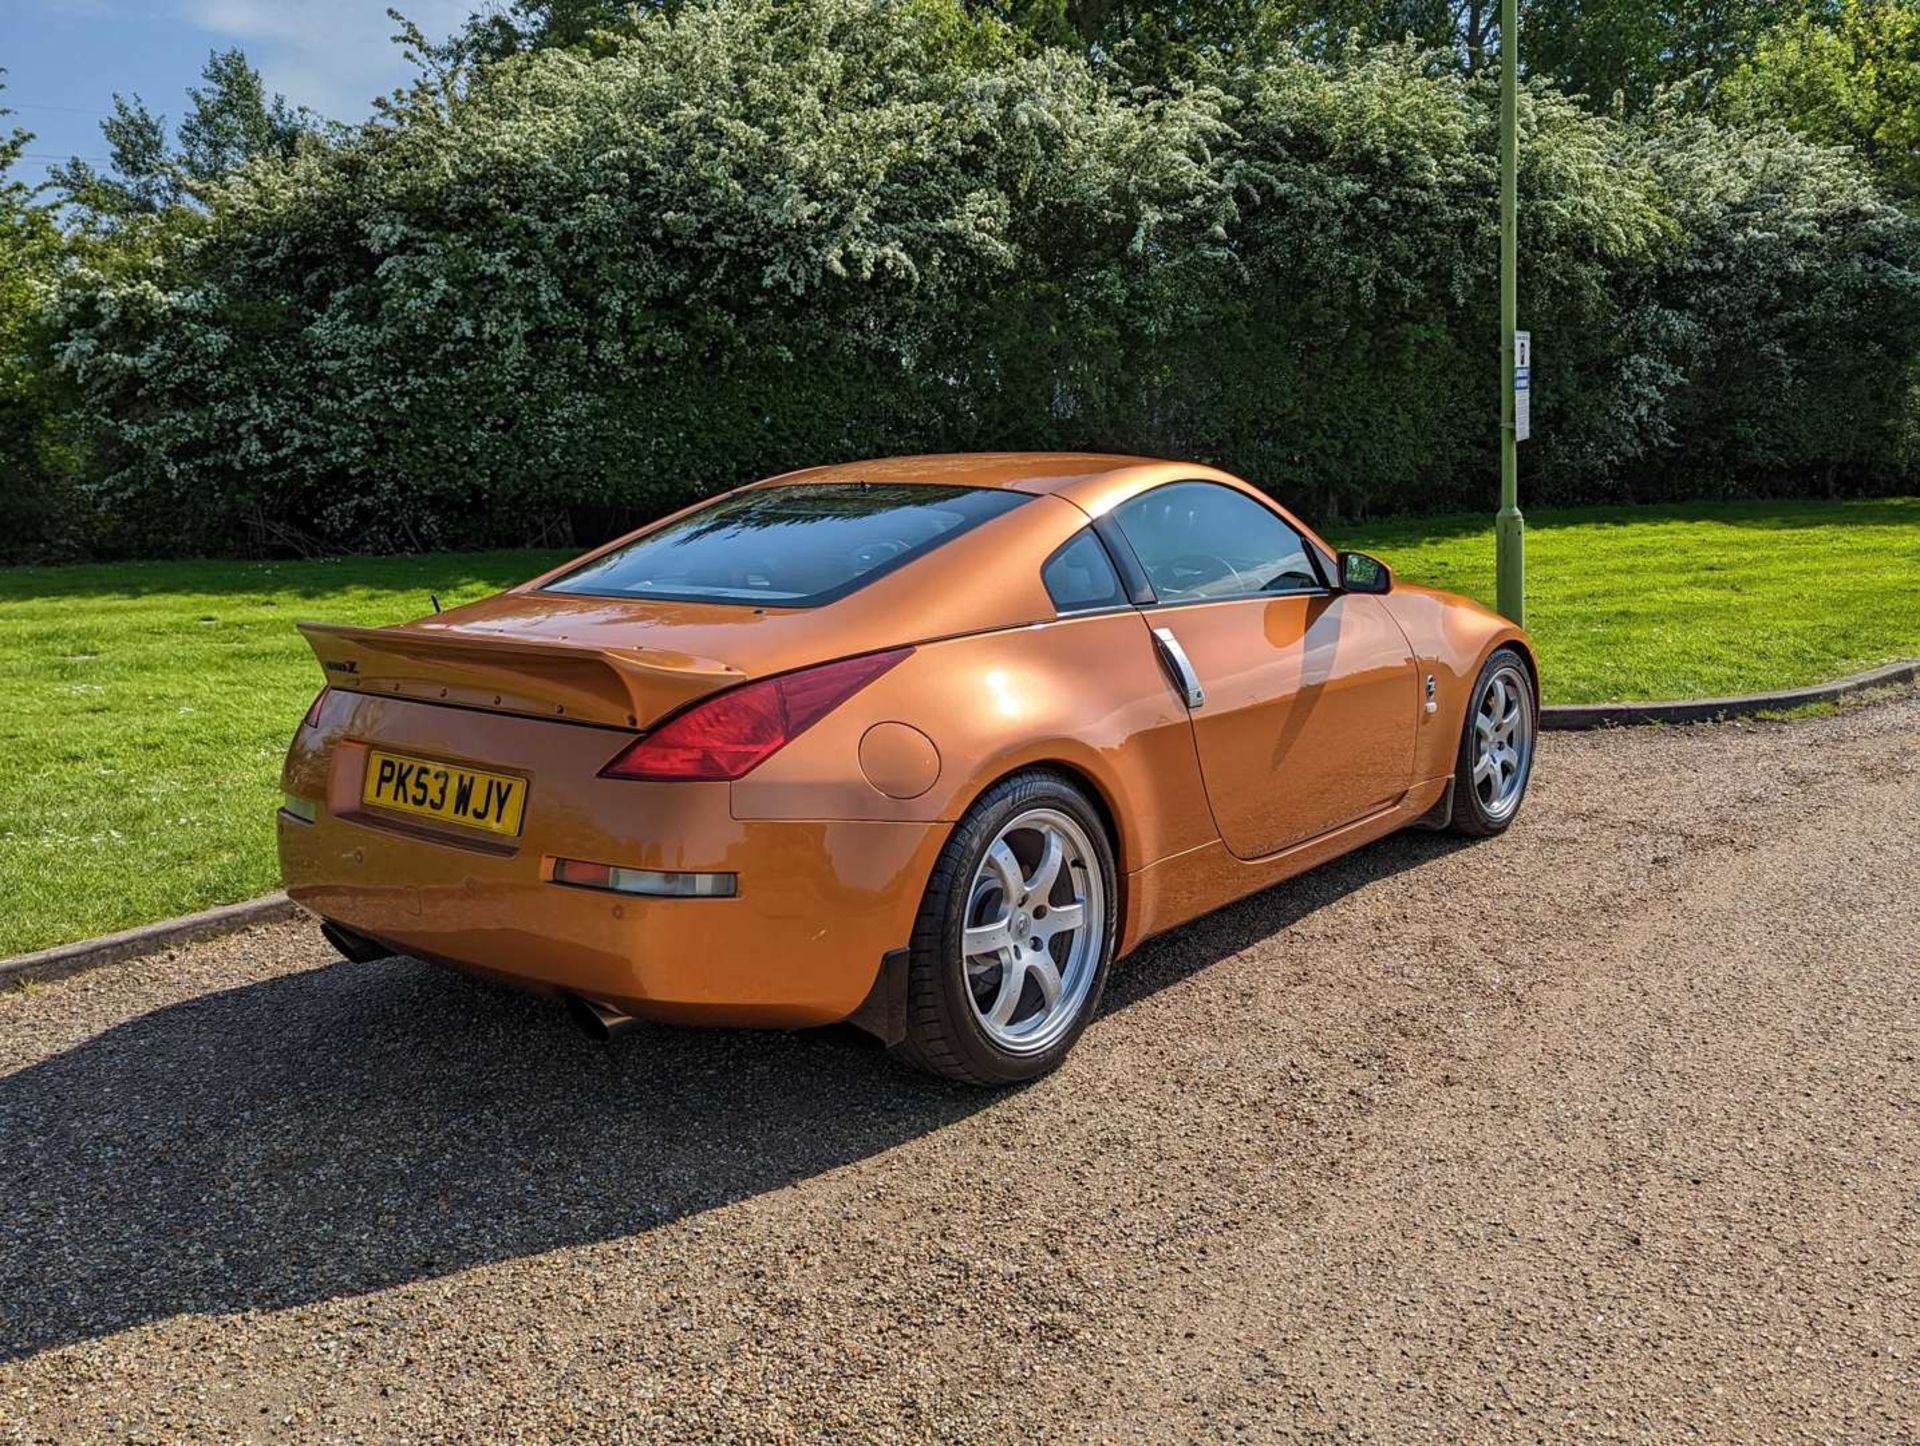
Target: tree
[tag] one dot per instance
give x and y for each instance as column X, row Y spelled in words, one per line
column 1850, row 78
column 233, row 120
column 1600, row 48
column 142, row 179
column 30, row 249
column 230, row 122
column 508, row 27
column 1631, row 48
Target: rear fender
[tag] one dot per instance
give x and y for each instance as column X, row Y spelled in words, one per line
column 1084, row 693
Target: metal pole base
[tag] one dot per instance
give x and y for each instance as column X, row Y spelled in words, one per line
column 1510, row 537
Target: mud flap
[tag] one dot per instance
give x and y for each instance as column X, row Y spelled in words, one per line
column 883, row 1013
column 1439, row 818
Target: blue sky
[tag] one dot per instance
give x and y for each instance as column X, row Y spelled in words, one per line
column 66, row 58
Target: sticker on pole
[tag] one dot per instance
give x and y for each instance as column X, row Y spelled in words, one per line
column 1522, row 385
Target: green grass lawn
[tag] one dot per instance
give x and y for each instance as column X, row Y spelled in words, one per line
column 148, row 704
column 1695, row 601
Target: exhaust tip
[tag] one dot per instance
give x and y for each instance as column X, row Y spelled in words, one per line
column 353, row 945
column 595, row 1020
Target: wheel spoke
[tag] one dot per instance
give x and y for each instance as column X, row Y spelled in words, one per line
column 1484, row 767
column 1006, row 868
column 1013, row 979
column 1040, row 886
column 984, row 939
column 1047, row 975
column 1065, row 918
column 1483, row 726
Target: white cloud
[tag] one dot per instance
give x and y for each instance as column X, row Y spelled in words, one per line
column 334, row 56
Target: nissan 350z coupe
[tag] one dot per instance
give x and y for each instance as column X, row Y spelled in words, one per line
column 924, row 744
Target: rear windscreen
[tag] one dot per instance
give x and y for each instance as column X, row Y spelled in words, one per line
column 796, row 546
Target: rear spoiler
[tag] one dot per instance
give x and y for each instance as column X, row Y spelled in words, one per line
column 621, row 687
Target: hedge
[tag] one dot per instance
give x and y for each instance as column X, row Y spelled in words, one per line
column 575, row 289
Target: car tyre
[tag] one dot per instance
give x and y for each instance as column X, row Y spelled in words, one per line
column 1497, row 738
column 1015, row 935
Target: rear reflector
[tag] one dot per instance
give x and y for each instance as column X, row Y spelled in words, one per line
column 615, row 880
column 730, row 734
column 304, row 809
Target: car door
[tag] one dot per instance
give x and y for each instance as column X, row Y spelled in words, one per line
column 1307, row 705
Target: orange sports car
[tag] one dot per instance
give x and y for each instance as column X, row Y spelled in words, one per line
column 924, row 744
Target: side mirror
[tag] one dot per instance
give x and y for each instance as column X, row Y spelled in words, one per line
column 1364, row 574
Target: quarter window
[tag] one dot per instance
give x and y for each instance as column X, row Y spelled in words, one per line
column 1199, row 540
column 1080, row 576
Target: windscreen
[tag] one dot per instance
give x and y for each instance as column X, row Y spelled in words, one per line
column 794, row 546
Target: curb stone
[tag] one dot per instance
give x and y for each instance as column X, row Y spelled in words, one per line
column 1583, row 716
column 150, row 939
column 65, row 959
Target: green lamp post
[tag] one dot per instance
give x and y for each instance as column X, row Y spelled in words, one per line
column 1516, row 351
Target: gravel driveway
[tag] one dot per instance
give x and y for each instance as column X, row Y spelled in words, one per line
column 1609, row 1128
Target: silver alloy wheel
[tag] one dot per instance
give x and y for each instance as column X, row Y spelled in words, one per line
column 1502, row 742
column 1035, row 925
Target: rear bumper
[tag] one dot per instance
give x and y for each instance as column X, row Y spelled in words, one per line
column 819, row 902
column 819, row 905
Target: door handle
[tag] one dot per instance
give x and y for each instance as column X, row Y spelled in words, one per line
column 1178, row 664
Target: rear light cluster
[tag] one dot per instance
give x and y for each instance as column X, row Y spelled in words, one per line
column 730, row 734
column 313, row 708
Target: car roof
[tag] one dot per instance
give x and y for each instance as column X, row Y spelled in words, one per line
column 1039, row 472
column 1095, row 482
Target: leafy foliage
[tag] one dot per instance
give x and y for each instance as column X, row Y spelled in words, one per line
column 30, row 247
column 1850, row 78
column 229, row 123
column 1793, row 310
column 1600, row 48
column 580, row 284
column 1630, row 48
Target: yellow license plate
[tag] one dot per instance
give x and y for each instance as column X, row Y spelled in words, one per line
column 495, row 802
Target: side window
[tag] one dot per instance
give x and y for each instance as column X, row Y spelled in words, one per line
column 1201, row 540
column 1080, row 576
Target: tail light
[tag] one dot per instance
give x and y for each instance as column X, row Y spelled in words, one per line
column 730, row 734
column 313, row 708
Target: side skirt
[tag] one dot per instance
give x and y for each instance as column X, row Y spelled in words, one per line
column 1167, row 894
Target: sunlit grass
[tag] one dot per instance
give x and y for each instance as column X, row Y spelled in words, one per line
column 148, row 707
column 1694, row 601
column 148, row 704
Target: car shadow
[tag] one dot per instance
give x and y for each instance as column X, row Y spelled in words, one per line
column 357, row 1126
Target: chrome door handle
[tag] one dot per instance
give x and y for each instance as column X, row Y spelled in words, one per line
column 1178, row 664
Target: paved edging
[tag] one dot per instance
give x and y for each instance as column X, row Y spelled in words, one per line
column 1578, row 716
column 64, row 959
column 152, row 938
